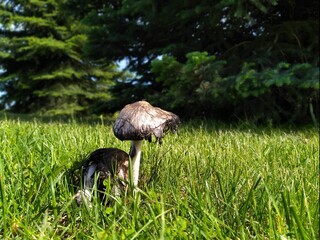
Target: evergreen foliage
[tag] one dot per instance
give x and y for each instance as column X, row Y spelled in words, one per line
column 42, row 60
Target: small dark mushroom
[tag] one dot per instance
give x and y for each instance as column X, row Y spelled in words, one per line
column 108, row 163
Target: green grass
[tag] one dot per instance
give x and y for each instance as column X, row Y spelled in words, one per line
column 211, row 181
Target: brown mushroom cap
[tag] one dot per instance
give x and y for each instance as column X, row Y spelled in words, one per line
column 140, row 120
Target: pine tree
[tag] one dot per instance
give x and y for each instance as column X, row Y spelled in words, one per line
column 42, row 63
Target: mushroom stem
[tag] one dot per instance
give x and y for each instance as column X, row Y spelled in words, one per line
column 135, row 155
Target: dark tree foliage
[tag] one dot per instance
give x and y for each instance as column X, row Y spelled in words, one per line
column 43, row 68
column 259, row 34
column 201, row 87
column 144, row 30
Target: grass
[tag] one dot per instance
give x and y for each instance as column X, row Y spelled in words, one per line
column 211, row 181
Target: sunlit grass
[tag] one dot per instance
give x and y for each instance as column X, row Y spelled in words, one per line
column 211, row 181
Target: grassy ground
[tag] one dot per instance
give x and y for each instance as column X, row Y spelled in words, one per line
column 212, row 181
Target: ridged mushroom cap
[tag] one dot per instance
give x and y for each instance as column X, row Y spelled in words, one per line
column 141, row 120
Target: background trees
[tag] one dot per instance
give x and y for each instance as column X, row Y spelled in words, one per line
column 44, row 69
column 201, row 87
column 256, row 59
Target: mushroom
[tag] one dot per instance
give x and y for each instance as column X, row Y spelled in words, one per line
column 136, row 122
column 107, row 163
column 139, row 121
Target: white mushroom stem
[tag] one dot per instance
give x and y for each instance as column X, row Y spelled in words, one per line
column 135, row 154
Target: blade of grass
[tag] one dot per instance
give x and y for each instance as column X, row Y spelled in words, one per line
column 301, row 229
column 149, row 222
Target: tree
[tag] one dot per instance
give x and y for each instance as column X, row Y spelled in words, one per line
column 201, row 87
column 43, row 68
column 260, row 34
column 143, row 30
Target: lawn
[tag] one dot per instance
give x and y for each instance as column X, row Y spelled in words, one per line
column 210, row 181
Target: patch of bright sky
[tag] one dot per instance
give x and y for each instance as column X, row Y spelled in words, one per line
column 122, row 64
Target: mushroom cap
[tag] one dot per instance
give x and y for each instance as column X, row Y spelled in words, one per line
column 141, row 120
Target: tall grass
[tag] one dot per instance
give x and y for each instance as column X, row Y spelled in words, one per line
column 211, row 181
